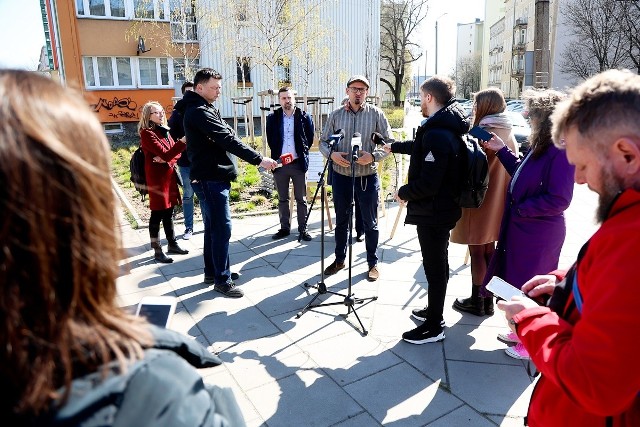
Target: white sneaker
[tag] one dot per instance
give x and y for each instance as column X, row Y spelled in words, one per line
column 518, row 352
column 187, row 234
column 509, row 338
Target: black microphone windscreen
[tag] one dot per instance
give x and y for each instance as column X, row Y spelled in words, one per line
column 357, row 134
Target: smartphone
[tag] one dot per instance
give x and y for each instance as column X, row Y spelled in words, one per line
column 480, row 133
column 157, row 310
column 504, row 289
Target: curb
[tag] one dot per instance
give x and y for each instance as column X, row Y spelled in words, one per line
column 127, row 205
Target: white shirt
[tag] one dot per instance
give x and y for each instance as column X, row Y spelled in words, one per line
column 288, row 142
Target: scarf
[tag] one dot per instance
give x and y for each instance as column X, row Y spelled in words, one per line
column 496, row 121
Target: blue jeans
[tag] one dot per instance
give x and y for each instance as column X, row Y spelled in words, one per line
column 216, row 215
column 367, row 189
column 187, row 196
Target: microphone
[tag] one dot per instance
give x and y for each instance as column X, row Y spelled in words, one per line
column 377, row 138
column 335, row 138
column 285, row 159
column 356, row 143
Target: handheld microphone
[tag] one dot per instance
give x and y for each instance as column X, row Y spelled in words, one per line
column 356, row 143
column 335, row 138
column 377, row 138
column 285, row 159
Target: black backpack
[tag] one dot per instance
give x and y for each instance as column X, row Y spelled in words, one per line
column 474, row 173
column 138, row 177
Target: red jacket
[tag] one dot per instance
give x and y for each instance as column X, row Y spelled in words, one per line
column 589, row 360
column 161, row 177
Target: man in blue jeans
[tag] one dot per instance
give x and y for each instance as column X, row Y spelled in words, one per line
column 177, row 131
column 210, row 141
column 356, row 115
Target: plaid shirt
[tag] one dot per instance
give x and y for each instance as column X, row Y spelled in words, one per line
column 366, row 120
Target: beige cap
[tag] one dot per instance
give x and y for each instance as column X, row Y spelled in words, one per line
column 358, row 78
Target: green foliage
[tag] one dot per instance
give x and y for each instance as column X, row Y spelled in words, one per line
column 245, row 207
column 250, row 175
column 395, row 115
column 258, row 199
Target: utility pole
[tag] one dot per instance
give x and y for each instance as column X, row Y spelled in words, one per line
column 541, row 45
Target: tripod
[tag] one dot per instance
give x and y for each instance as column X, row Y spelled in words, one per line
column 349, row 300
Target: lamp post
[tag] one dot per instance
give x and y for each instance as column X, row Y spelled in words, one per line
column 437, row 40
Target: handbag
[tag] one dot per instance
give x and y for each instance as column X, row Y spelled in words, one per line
column 178, row 176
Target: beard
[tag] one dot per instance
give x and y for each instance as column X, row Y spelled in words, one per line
column 611, row 188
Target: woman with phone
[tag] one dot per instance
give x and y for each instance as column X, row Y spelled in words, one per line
column 161, row 154
column 479, row 228
column 70, row 356
column 533, row 226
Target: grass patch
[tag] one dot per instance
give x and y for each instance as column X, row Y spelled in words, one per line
column 395, row 115
column 245, row 207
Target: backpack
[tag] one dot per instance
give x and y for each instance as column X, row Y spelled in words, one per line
column 474, row 175
column 138, row 177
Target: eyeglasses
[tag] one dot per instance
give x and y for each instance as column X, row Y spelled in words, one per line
column 358, row 89
column 158, row 112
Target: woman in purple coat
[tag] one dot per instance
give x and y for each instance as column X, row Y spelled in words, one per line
column 533, row 227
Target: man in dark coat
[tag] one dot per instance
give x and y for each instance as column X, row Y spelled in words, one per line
column 290, row 134
column 434, row 174
column 210, row 143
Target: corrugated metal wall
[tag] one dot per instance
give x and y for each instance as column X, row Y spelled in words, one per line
column 353, row 48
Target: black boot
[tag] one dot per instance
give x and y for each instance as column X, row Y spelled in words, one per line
column 473, row 304
column 175, row 249
column 488, row 306
column 158, row 254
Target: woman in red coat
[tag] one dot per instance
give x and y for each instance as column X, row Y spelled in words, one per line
column 160, row 156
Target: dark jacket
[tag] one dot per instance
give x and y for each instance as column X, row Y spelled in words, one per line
column 163, row 389
column 177, row 130
column 303, row 132
column 434, row 168
column 161, row 177
column 210, row 140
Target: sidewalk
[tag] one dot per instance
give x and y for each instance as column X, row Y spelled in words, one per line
column 319, row 369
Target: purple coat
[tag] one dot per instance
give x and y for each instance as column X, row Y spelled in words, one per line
column 533, row 228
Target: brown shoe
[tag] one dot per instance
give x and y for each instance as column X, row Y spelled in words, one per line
column 333, row 268
column 373, row 274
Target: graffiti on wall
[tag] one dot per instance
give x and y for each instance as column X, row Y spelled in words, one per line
column 119, row 108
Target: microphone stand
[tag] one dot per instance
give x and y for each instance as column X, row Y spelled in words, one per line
column 321, row 287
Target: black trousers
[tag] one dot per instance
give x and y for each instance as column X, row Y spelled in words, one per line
column 166, row 217
column 434, row 245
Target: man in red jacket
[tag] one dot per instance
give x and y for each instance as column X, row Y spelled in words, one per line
column 585, row 342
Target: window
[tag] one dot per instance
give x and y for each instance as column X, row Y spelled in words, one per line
column 183, row 20
column 113, row 128
column 154, row 71
column 185, row 69
column 106, row 8
column 283, row 72
column 150, row 9
column 243, row 69
column 105, row 71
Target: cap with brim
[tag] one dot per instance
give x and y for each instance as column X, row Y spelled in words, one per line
column 358, row 78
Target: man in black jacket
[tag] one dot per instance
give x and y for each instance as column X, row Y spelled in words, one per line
column 290, row 133
column 434, row 172
column 210, row 143
column 176, row 129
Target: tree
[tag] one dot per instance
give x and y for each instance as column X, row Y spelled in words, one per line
column 467, row 75
column 628, row 15
column 398, row 21
column 600, row 43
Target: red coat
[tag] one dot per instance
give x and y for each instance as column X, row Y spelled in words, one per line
column 589, row 362
column 161, row 177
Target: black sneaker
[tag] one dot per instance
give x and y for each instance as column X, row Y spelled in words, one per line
column 229, row 289
column 281, row 234
column 421, row 315
column 333, row 268
column 421, row 335
column 210, row 279
column 360, row 237
column 306, row 236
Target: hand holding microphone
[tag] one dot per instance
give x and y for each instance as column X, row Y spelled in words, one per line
column 377, row 138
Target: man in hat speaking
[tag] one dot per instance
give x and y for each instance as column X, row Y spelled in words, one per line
column 367, row 120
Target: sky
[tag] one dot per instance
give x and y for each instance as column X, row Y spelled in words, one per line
column 22, row 34
column 449, row 14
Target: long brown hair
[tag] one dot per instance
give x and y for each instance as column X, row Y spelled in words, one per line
column 59, row 247
column 488, row 101
column 540, row 104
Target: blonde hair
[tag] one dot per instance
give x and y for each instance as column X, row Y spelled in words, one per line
column 145, row 116
column 60, row 247
column 540, row 104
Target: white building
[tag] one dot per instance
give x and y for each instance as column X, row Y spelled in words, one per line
column 469, row 39
column 343, row 37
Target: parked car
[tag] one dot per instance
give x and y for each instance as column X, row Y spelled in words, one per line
column 521, row 130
